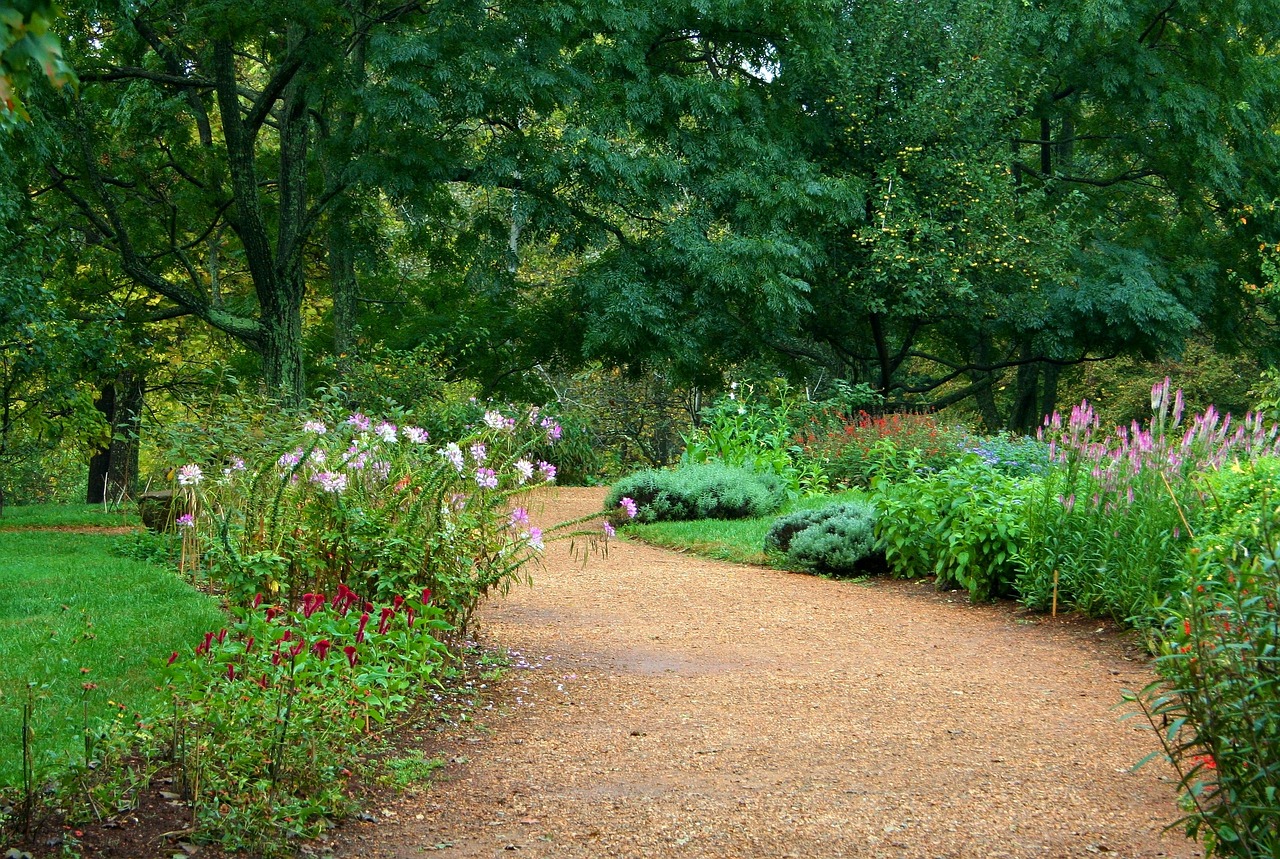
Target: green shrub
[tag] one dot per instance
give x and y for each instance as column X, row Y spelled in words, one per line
column 710, row 491
column 965, row 525
column 834, row 539
column 744, row 431
column 1242, row 500
column 1216, row 708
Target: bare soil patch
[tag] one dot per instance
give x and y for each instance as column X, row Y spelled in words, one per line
column 665, row 705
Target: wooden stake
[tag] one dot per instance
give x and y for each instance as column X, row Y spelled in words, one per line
column 1055, row 594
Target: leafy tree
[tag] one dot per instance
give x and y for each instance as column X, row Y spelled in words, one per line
column 26, row 39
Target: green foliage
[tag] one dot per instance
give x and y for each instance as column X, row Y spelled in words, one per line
column 1241, row 506
column 710, row 491
column 1109, row 528
column 965, row 525
column 266, row 710
column 1216, row 708
column 757, row 433
column 27, row 40
column 834, row 539
column 1266, row 394
column 855, row 449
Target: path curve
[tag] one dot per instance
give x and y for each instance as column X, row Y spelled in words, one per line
column 676, row 706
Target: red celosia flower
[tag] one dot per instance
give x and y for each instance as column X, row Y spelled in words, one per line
column 231, row 672
column 385, row 621
column 311, row 603
column 426, row 597
column 321, row 648
column 262, row 681
column 272, row 612
column 173, row 657
column 222, row 635
column 275, row 657
column 350, row 651
column 203, row 647
column 397, row 601
column 364, row 619
column 257, row 600
column 288, row 636
column 297, row 648
column 409, row 616
column 248, row 644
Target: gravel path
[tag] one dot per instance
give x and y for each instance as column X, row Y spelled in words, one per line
column 675, row 706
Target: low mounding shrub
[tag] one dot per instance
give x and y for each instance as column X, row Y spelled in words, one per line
column 1216, row 708
column 833, row 539
column 709, row 491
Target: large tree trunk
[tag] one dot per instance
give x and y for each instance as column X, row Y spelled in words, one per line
column 100, row 461
column 1023, row 415
column 113, row 468
column 126, row 430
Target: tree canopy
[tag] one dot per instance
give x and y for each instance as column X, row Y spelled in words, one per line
column 949, row 200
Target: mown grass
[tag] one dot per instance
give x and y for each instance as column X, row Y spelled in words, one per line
column 67, row 515
column 738, row 540
column 73, row 614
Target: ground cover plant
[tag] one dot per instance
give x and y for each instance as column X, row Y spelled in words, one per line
column 707, row 491
column 68, row 516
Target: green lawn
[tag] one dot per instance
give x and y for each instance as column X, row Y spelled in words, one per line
column 51, row 515
column 69, row 605
column 737, row 540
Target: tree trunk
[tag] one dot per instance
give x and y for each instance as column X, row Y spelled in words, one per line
column 126, row 430
column 985, row 395
column 1022, row 416
column 282, row 365
column 100, row 461
column 113, row 468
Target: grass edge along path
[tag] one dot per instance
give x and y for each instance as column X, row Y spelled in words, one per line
column 83, row 630
column 739, row 541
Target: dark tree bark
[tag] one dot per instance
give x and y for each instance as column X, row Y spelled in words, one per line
column 100, row 462
column 113, row 468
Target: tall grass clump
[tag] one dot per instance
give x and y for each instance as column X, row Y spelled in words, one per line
column 1107, row 533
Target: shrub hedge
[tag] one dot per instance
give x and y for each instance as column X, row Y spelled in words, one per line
column 710, row 491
